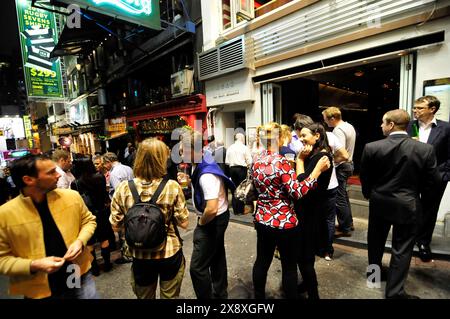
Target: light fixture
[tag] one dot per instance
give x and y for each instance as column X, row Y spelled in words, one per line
column 358, row 73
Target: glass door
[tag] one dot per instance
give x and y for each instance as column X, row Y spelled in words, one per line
column 271, row 103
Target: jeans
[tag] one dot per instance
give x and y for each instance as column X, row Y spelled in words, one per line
column 343, row 208
column 87, row 290
column 327, row 226
column 208, row 262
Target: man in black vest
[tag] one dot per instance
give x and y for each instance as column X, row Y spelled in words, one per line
column 427, row 129
column 395, row 173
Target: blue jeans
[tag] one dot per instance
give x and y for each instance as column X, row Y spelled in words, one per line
column 343, row 208
column 87, row 290
column 330, row 219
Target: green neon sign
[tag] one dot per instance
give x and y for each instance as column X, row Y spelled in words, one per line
column 140, row 12
column 38, row 36
column 130, row 6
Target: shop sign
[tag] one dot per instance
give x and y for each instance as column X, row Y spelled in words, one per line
column 160, row 126
column 237, row 87
column 27, row 126
column 38, row 36
column 62, row 130
column 116, row 126
column 140, row 12
column 79, row 112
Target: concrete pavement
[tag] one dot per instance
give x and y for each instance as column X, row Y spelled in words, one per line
column 341, row 278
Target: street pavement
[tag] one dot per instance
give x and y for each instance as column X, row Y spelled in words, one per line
column 341, row 278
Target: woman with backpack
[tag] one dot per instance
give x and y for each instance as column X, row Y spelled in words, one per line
column 137, row 206
column 92, row 187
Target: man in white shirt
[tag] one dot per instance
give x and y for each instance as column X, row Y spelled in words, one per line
column 117, row 174
column 63, row 166
column 346, row 134
column 437, row 133
column 208, row 267
column 117, row 171
column 238, row 158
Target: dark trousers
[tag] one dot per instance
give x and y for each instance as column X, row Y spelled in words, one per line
column 208, row 262
column 238, row 174
column 343, row 208
column 309, row 225
column 287, row 242
column 326, row 227
column 403, row 236
column 429, row 216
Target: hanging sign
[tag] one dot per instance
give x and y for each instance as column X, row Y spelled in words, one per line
column 140, row 12
column 38, row 36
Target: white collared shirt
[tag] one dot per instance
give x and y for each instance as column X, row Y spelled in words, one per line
column 66, row 178
column 425, row 130
column 238, row 155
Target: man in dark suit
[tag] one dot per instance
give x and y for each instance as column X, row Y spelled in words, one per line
column 394, row 172
column 427, row 129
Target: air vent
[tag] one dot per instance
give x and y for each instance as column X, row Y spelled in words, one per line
column 225, row 58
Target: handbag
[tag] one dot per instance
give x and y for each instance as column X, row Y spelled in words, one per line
column 246, row 191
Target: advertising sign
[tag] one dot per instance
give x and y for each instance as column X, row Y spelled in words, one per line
column 38, row 36
column 116, row 126
column 12, row 128
column 27, row 127
column 79, row 112
column 140, row 12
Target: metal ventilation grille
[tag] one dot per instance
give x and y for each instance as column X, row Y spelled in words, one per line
column 327, row 20
column 231, row 55
column 227, row 57
column 208, row 64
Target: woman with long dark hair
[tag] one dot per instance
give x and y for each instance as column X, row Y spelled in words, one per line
column 92, row 187
column 311, row 208
column 276, row 222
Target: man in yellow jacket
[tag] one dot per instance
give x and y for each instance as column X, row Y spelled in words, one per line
column 43, row 235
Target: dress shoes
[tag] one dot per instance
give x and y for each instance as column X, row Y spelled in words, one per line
column 424, row 253
column 339, row 233
column 403, row 296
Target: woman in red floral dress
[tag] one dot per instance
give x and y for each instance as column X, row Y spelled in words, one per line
column 275, row 219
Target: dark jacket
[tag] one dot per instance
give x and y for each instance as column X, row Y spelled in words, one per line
column 207, row 166
column 394, row 172
column 440, row 139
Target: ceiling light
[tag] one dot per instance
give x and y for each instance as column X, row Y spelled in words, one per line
column 359, row 73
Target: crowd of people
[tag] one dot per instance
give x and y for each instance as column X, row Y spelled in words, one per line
column 69, row 204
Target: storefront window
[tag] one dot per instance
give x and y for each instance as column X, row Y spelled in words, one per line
column 236, row 12
column 226, row 14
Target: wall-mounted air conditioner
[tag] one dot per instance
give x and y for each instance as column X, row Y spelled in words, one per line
column 181, row 83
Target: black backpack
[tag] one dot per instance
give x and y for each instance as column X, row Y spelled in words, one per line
column 145, row 225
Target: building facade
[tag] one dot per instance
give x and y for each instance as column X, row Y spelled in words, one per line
column 265, row 61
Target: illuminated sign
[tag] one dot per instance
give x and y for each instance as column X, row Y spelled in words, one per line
column 130, row 6
column 38, row 36
column 28, row 127
column 141, row 12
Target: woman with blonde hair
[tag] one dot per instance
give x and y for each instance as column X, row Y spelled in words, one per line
column 166, row 261
column 275, row 218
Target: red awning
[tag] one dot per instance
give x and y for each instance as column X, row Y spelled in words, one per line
column 179, row 107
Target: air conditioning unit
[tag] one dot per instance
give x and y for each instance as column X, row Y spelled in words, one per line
column 181, row 83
